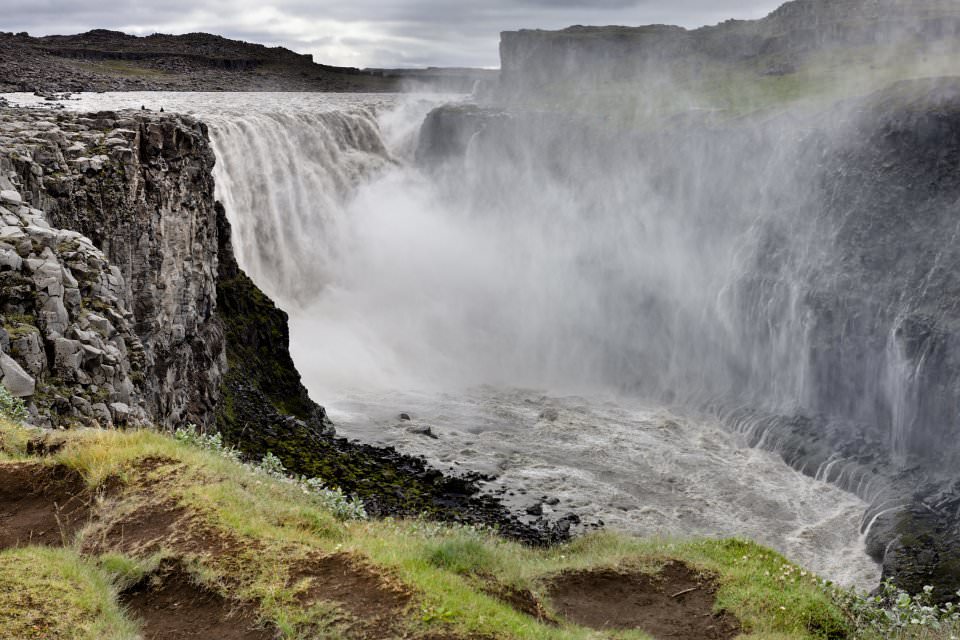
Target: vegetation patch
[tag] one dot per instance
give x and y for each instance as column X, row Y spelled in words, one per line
column 55, row 594
column 182, row 530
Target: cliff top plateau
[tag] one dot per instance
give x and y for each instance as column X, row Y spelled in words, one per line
column 102, row 60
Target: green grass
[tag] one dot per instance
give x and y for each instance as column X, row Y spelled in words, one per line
column 271, row 528
column 57, row 594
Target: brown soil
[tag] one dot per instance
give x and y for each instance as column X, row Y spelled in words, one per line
column 523, row 600
column 170, row 606
column 40, row 504
column 373, row 599
column 676, row 604
column 142, row 532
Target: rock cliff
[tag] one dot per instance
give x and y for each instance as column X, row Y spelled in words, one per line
column 114, row 255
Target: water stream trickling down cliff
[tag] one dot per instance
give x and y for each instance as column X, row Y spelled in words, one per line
column 643, row 326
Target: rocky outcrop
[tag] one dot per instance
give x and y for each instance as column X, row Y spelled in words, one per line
column 122, row 300
column 262, row 388
column 139, row 188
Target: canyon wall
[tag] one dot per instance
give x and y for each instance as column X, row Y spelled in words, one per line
column 537, row 60
column 115, row 256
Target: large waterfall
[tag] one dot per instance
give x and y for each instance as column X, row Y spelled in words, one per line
column 609, row 318
column 536, row 299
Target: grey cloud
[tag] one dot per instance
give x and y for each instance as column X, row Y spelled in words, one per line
column 367, row 32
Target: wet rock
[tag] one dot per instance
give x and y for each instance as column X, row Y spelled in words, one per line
column 422, row 430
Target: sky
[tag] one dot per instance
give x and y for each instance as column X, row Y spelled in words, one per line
column 367, row 33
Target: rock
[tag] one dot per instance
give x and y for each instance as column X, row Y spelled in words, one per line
column 422, row 430
column 549, row 414
column 67, row 356
column 27, row 348
column 10, row 197
column 121, row 413
column 82, row 405
column 17, row 381
column 9, row 259
column 404, row 416
column 535, row 510
column 101, row 414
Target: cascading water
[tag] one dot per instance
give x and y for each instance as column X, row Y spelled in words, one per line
column 537, row 288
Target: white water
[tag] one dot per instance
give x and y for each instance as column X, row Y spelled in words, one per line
column 401, row 300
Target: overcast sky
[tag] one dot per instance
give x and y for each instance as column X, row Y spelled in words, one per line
column 379, row 33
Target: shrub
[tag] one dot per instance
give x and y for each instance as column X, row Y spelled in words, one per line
column 894, row 613
column 11, row 408
column 461, row 555
column 333, row 499
column 208, row 442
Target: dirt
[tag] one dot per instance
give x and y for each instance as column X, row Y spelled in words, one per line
column 40, row 504
column 372, row 599
column 144, row 531
column 523, row 600
column 675, row 604
column 170, row 606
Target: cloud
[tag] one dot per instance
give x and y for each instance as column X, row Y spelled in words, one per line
column 380, row 33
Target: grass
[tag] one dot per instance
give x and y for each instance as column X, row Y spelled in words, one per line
column 123, row 68
column 56, row 594
column 267, row 529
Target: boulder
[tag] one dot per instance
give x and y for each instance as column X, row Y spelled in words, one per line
column 18, row 382
column 10, row 197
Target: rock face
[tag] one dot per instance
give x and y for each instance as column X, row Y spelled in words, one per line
column 262, row 387
column 139, row 189
column 111, row 250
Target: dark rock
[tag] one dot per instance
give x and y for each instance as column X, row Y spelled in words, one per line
column 422, row 430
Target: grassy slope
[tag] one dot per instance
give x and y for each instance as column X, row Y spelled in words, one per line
column 278, row 529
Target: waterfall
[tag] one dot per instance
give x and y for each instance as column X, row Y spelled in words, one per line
column 696, row 268
column 291, row 174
